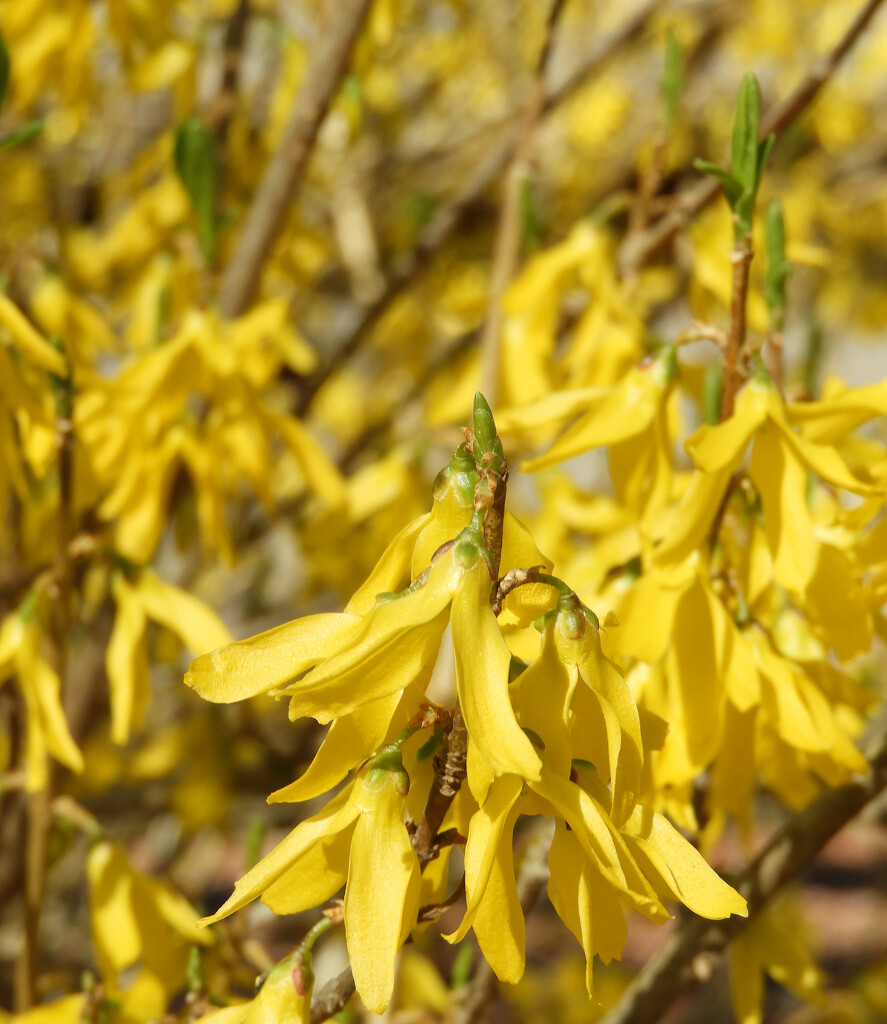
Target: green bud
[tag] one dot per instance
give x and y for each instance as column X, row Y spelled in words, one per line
column 4, row 69
column 777, row 265
column 673, row 78
column 198, row 169
column 713, row 393
column 746, row 125
column 254, row 838
column 488, row 442
column 749, row 158
column 196, row 975
column 463, row 966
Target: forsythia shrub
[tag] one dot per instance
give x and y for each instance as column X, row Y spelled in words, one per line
column 259, row 262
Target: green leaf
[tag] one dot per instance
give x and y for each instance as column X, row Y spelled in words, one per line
column 197, row 165
column 713, row 393
column 777, row 265
column 21, row 135
column 4, row 69
column 463, row 966
column 746, row 125
column 530, row 217
column 673, row 77
column 764, row 150
column 732, row 187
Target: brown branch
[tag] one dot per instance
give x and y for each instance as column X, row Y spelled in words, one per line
column 637, row 251
column 450, row 767
column 688, row 955
column 507, row 246
column 447, row 220
column 286, row 167
column 332, row 997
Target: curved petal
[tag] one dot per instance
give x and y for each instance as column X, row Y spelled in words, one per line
column 714, row 448
column 338, row 814
column 680, row 867
column 482, row 663
column 249, row 667
column 485, row 832
column 392, row 571
column 381, row 895
column 349, row 741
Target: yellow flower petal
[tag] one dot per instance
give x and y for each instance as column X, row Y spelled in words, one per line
column 198, row 626
column 339, row 814
column 349, row 741
column 626, row 411
column 392, row 572
column 679, row 867
column 485, row 832
column 714, row 448
column 830, row 420
column 314, row 877
column 126, row 662
column 29, row 340
column 499, row 923
column 248, row 667
column 546, row 691
column 781, row 481
column 482, row 663
column 395, row 643
column 381, row 894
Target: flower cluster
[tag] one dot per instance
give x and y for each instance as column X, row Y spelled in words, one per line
column 561, row 737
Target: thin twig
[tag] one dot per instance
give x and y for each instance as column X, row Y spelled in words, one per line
column 450, row 767
column 285, row 170
column 506, row 251
column 332, row 997
column 690, row 953
column 637, row 250
column 446, row 221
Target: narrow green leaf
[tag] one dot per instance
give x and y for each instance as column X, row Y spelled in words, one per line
column 777, row 265
column 4, row 69
column 198, row 168
column 732, row 186
column 21, row 135
column 673, row 77
column 713, row 393
column 765, row 148
column 746, row 125
column 813, row 360
column 463, row 966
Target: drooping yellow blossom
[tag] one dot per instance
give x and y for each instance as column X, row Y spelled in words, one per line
column 772, row 944
column 607, row 848
column 47, row 732
column 137, row 920
column 779, row 463
column 126, row 660
column 360, row 840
